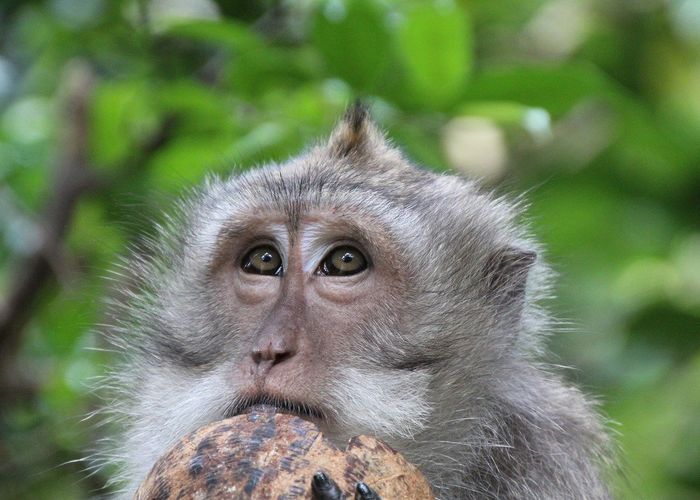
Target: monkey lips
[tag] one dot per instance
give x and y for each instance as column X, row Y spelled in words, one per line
column 263, row 454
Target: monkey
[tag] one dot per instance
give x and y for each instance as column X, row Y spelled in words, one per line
column 371, row 295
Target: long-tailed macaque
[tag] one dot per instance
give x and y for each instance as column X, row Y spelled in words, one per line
column 371, row 296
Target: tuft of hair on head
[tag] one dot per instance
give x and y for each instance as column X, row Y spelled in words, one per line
column 356, row 133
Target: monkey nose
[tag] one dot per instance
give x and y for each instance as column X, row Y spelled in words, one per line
column 267, row 355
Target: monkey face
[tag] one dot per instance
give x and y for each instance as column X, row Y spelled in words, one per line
column 306, row 304
column 303, row 296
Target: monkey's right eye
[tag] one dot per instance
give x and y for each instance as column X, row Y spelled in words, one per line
column 262, row 260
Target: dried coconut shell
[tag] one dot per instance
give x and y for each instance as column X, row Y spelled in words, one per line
column 264, row 454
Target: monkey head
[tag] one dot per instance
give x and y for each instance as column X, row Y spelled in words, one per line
column 345, row 285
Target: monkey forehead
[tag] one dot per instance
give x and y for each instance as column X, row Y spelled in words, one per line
column 409, row 203
column 288, row 196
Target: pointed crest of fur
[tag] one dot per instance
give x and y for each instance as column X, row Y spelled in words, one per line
column 356, row 134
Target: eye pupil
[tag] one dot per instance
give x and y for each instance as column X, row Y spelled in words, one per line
column 343, row 261
column 262, row 260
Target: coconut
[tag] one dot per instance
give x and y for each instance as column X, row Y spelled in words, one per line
column 263, row 454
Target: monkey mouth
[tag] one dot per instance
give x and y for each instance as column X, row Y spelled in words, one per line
column 276, row 404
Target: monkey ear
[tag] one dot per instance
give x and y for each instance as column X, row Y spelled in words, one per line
column 506, row 274
column 356, row 133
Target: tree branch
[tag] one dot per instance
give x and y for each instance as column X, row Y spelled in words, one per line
column 72, row 178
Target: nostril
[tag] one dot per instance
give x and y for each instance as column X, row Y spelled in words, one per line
column 270, row 355
column 264, row 361
column 281, row 356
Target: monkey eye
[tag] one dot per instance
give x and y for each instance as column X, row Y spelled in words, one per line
column 343, row 261
column 262, row 260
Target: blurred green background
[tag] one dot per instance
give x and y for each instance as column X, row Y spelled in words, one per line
column 108, row 109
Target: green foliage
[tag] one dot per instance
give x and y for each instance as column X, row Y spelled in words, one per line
column 592, row 108
column 358, row 56
column 434, row 42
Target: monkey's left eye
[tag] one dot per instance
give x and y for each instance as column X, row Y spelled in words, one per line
column 262, row 260
column 343, row 261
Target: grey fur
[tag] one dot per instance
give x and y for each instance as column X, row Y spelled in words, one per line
column 448, row 372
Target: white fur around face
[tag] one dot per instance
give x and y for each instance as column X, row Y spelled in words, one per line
column 168, row 409
column 382, row 403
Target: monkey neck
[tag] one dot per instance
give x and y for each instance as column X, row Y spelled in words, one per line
column 534, row 437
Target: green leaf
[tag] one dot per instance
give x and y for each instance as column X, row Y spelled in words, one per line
column 555, row 88
column 186, row 160
column 353, row 41
column 502, row 112
column 225, row 34
column 197, row 108
column 123, row 114
column 435, row 45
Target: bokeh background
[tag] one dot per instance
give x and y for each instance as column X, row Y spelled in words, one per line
column 110, row 109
